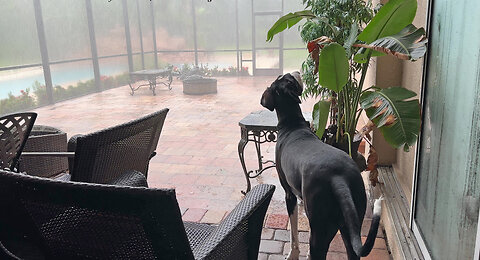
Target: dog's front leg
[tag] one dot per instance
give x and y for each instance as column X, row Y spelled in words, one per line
column 292, row 208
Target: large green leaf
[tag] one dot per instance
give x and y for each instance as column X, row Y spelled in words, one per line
column 287, row 21
column 397, row 118
column 390, row 19
column 408, row 44
column 320, row 116
column 333, row 67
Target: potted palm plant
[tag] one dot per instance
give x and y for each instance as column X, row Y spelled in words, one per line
column 342, row 37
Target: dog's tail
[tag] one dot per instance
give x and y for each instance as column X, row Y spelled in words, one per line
column 352, row 222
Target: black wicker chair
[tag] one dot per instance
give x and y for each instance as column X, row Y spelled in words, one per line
column 52, row 219
column 102, row 155
column 14, row 130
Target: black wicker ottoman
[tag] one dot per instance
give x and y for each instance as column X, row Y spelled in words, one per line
column 45, row 139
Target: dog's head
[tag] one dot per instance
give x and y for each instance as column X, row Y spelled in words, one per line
column 285, row 89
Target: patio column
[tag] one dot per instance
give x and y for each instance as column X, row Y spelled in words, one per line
column 155, row 51
column 237, row 37
column 93, row 45
column 42, row 41
column 141, row 35
column 195, row 32
column 127, row 35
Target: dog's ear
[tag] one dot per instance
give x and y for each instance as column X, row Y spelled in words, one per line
column 298, row 78
column 294, row 87
column 268, row 99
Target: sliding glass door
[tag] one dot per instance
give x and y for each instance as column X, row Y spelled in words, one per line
column 447, row 194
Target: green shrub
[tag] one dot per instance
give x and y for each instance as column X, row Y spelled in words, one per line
column 39, row 97
column 204, row 70
column 17, row 103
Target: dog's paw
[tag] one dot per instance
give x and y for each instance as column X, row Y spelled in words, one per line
column 294, row 254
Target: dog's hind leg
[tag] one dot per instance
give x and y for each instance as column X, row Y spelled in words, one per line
column 292, row 208
column 323, row 223
column 348, row 245
column 320, row 237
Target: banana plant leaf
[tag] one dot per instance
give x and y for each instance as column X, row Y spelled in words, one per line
column 333, row 67
column 287, row 21
column 314, row 49
column 396, row 117
column 408, row 44
column 320, row 116
column 390, row 19
column 351, row 39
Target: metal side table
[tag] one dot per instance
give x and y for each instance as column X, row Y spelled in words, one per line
column 259, row 127
column 151, row 76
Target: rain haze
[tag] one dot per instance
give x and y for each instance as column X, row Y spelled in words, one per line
column 217, row 35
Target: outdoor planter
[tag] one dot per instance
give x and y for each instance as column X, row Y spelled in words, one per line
column 329, row 138
column 45, row 139
column 198, row 85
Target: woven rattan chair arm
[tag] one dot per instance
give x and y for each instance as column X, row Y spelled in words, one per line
column 231, row 233
column 72, row 143
column 152, row 155
column 5, row 254
column 72, row 147
column 132, row 179
column 48, row 154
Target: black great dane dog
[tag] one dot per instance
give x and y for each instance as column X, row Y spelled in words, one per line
column 325, row 178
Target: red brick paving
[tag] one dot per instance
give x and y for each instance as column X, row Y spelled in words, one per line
column 197, row 152
column 276, row 221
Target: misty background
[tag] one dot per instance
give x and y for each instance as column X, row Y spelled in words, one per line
column 67, row 38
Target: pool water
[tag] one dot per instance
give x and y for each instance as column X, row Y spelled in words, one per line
column 63, row 75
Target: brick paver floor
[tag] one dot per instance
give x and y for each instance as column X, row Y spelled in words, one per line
column 197, row 152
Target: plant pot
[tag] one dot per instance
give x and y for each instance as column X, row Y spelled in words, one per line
column 329, row 138
column 45, row 139
column 199, row 86
column 356, row 156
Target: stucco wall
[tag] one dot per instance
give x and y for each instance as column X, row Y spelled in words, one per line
column 412, row 80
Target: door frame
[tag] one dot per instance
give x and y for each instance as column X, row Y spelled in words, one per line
column 412, row 224
column 477, row 244
column 266, row 71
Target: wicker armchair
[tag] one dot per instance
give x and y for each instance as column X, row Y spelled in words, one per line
column 100, row 157
column 14, row 130
column 72, row 220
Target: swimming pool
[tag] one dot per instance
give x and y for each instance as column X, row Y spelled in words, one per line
column 62, row 74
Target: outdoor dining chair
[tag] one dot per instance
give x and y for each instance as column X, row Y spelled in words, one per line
column 14, row 131
column 74, row 220
column 99, row 157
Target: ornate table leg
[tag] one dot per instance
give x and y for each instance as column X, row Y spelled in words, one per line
column 241, row 148
column 170, row 79
column 153, row 84
column 256, row 137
